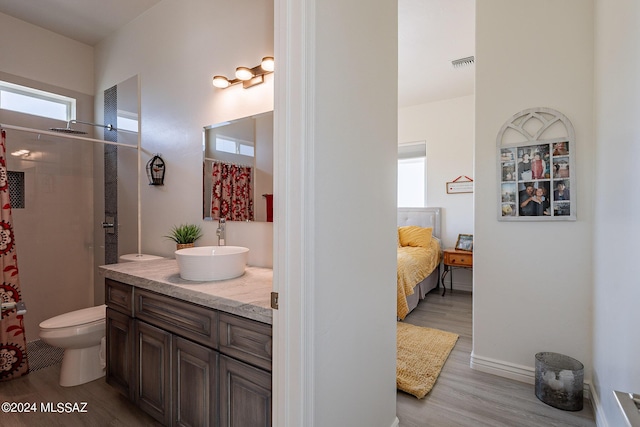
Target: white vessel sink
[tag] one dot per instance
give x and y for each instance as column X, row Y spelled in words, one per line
column 206, row 263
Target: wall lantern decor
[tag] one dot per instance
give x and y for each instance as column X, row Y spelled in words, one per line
column 248, row 76
column 155, row 170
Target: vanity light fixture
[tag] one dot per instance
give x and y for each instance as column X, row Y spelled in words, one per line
column 248, row 76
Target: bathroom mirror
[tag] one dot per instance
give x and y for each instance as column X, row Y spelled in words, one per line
column 243, row 147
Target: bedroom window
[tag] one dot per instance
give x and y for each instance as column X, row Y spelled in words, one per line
column 412, row 174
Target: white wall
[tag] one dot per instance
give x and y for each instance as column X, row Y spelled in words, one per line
column 38, row 54
column 176, row 48
column 448, row 129
column 532, row 281
column 617, row 230
column 354, row 214
column 336, row 221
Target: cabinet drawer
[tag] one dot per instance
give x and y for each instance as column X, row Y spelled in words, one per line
column 182, row 318
column 459, row 259
column 119, row 296
column 246, row 340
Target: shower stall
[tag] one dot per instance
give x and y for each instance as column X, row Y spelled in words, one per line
column 59, row 194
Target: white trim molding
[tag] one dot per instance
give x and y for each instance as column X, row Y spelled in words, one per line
column 500, row 368
column 598, row 410
column 524, row 374
column 293, row 373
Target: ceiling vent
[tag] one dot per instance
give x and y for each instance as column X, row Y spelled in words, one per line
column 463, row 62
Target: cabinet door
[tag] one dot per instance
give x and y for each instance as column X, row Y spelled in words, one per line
column 153, row 364
column 245, row 395
column 120, row 353
column 195, row 380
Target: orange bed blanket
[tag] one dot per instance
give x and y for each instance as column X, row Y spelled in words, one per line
column 414, row 265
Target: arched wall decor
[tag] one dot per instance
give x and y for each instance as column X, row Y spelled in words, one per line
column 536, row 167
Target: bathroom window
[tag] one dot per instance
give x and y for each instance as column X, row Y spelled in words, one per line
column 412, row 175
column 235, row 146
column 23, row 99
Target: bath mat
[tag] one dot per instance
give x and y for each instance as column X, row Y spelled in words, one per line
column 42, row 355
column 420, row 357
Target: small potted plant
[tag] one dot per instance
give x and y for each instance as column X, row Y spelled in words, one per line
column 185, row 235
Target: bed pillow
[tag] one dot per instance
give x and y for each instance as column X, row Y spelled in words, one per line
column 412, row 235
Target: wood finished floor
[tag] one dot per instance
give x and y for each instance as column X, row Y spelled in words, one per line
column 463, row 397
column 105, row 406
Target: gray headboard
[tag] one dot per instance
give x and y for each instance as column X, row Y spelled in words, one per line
column 423, row 217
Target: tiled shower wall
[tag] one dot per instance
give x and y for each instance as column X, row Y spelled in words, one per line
column 111, row 175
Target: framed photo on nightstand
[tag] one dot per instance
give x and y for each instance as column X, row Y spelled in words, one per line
column 465, row 242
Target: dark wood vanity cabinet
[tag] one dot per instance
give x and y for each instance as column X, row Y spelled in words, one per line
column 195, row 384
column 120, row 338
column 120, row 352
column 245, row 394
column 153, row 371
column 188, row 365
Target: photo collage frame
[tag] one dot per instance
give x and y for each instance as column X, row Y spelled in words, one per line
column 537, row 176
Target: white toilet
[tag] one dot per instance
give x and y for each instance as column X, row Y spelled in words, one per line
column 81, row 333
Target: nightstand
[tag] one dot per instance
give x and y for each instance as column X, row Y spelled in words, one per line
column 454, row 258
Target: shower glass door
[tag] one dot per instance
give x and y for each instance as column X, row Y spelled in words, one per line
column 52, row 204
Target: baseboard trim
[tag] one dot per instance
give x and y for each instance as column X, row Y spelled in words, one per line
column 396, row 423
column 601, row 420
column 524, row 374
column 500, row 368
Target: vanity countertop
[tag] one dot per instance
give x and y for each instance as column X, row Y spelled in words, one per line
column 247, row 296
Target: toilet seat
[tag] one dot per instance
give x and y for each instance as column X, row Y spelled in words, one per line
column 80, row 317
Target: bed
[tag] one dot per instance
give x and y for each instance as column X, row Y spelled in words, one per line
column 418, row 267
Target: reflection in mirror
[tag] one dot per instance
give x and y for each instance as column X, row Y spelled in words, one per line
column 238, row 169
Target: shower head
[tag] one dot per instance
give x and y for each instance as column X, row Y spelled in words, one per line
column 70, row 130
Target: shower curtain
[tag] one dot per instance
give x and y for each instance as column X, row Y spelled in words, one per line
column 13, row 344
column 232, row 196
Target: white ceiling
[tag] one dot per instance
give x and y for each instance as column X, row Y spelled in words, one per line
column 87, row 21
column 431, row 34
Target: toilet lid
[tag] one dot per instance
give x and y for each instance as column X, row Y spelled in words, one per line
column 139, row 257
column 76, row 318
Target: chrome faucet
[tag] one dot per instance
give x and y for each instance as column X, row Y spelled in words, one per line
column 221, row 231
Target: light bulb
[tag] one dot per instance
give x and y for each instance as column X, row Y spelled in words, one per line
column 267, row 64
column 220, row 82
column 244, row 73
